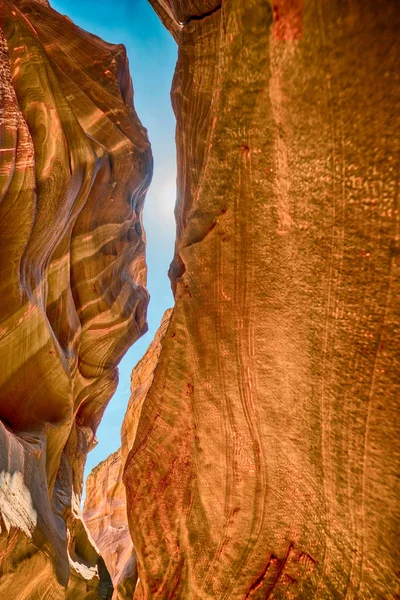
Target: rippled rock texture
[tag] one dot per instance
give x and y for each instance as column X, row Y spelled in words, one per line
column 266, row 459
column 74, row 167
column 105, row 504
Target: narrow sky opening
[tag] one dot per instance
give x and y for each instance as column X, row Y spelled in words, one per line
column 152, row 55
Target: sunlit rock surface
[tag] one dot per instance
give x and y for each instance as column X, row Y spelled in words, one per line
column 105, row 503
column 74, row 167
column 105, row 516
column 266, row 459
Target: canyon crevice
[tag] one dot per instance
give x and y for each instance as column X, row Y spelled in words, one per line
column 260, row 455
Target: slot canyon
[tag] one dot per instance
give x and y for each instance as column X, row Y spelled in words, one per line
column 260, row 454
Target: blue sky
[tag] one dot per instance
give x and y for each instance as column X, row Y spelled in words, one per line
column 152, row 56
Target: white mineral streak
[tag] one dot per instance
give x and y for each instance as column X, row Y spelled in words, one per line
column 16, row 507
column 86, row 572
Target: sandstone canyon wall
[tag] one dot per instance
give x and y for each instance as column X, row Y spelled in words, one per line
column 260, row 448
column 105, row 504
column 105, row 516
column 75, row 164
column 266, row 459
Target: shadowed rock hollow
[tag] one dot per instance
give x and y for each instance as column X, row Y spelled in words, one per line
column 75, row 165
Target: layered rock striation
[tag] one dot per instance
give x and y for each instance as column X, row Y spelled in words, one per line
column 106, row 519
column 105, row 504
column 266, row 458
column 75, row 164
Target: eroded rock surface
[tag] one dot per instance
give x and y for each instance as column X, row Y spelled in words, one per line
column 105, row 517
column 75, row 163
column 105, row 504
column 266, row 459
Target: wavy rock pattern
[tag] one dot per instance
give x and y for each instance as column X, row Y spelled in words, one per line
column 266, row 461
column 75, row 166
column 105, row 503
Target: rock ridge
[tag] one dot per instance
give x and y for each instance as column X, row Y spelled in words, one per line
column 203, row 16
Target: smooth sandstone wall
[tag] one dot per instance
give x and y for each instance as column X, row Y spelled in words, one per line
column 266, row 459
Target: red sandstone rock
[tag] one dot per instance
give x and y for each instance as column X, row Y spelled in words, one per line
column 266, row 461
column 105, row 504
column 105, row 517
column 74, row 167
column 186, row 10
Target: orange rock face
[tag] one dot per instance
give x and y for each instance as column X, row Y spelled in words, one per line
column 75, row 163
column 105, row 505
column 105, row 517
column 266, row 459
